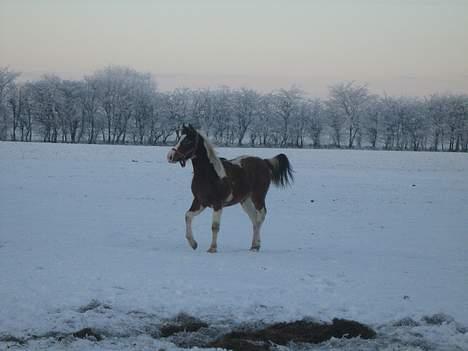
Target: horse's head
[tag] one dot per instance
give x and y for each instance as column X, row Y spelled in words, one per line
column 187, row 146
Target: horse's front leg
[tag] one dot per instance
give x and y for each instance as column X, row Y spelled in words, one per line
column 215, row 228
column 194, row 210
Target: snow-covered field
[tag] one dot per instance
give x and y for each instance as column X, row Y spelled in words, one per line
column 94, row 236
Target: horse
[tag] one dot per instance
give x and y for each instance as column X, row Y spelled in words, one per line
column 218, row 182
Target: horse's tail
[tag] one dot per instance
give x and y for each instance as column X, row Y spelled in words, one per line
column 281, row 170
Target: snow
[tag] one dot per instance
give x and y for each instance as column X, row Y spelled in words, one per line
column 378, row 237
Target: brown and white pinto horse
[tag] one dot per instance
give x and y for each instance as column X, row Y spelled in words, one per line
column 218, row 183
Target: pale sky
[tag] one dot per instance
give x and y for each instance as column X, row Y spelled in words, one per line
column 398, row 46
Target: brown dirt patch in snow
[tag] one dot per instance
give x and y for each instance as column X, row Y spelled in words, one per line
column 302, row 331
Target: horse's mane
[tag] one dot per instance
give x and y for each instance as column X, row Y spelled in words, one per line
column 214, row 159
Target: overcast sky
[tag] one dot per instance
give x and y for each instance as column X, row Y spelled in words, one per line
column 397, row 46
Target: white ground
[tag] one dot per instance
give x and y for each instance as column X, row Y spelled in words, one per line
column 371, row 236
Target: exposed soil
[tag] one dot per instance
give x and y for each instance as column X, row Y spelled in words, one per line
column 302, row 331
column 187, row 331
column 88, row 333
column 181, row 323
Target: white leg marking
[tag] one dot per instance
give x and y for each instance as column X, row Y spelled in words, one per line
column 257, row 218
column 258, row 224
column 215, row 229
column 188, row 224
column 249, row 208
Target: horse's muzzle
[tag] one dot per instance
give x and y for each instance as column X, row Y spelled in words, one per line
column 172, row 157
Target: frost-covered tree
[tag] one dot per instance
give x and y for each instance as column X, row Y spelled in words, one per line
column 15, row 102
column 160, row 128
column 44, row 95
column 315, row 120
column 372, row 121
column 120, row 105
column 173, row 110
column 348, row 102
column 245, row 106
column 93, row 119
column 300, row 124
column 177, row 109
column 7, row 78
column 222, row 114
column 116, row 91
column 68, row 109
column 144, row 113
column 286, row 108
column 457, row 121
column 336, row 123
column 262, row 126
column 438, row 110
column 405, row 126
column 202, row 110
column 27, row 113
column 415, row 124
column 392, row 123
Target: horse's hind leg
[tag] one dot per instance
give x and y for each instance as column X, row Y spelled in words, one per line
column 194, row 210
column 257, row 216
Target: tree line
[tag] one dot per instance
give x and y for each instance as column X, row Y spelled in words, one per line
column 119, row 105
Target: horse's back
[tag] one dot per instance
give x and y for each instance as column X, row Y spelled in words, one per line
column 250, row 172
column 250, row 166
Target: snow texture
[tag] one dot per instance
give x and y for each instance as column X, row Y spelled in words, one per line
column 94, row 237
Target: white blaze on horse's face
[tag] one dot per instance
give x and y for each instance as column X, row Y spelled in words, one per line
column 172, row 153
column 170, row 156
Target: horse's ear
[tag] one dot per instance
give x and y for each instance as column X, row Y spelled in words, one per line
column 191, row 128
column 185, row 130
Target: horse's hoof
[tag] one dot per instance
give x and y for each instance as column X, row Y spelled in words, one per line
column 194, row 245
column 212, row 250
column 255, row 248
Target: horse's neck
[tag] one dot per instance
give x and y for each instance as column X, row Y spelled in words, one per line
column 202, row 167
